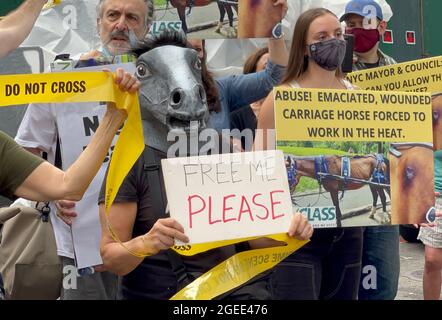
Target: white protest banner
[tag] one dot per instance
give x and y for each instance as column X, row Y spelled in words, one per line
column 229, row 196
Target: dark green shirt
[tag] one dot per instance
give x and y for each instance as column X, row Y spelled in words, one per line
column 16, row 164
column 384, row 60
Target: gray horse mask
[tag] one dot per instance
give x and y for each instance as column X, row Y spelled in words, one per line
column 172, row 96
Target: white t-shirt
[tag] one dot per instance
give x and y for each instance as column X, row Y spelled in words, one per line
column 348, row 84
column 75, row 125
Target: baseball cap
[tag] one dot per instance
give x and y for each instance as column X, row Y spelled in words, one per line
column 362, row 8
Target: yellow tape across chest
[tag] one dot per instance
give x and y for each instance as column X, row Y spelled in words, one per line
column 236, row 270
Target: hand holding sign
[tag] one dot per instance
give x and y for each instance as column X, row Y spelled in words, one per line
column 300, row 228
column 162, row 236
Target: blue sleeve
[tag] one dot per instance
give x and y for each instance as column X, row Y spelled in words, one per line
column 240, row 90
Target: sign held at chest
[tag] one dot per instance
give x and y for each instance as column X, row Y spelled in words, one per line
column 229, row 196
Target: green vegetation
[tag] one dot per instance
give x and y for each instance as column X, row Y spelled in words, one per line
column 159, row 3
column 307, row 184
column 337, row 148
column 302, row 151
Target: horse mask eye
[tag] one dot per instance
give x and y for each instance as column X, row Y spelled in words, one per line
column 197, row 64
column 142, row 71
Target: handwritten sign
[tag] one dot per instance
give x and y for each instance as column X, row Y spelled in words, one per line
column 229, row 196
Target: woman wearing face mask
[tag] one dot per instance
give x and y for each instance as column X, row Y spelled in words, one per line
column 329, row 266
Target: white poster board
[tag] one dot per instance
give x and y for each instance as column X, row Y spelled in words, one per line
column 229, row 196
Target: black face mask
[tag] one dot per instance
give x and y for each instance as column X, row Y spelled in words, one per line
column 328, row 54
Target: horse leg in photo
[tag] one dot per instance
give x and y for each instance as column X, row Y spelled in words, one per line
column 257, row 18
column 373, row 212
column 232, row 32
column 191, row 3
column 236, row 10
column 335, row 199
column 386, row 215
column 229, row 15
column 374, row 193
column 182, row 16
column 222, row 14
column 383, row 199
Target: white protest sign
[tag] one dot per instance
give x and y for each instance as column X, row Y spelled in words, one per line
column 229, row 196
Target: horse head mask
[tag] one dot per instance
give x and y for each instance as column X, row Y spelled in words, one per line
column 172, row 96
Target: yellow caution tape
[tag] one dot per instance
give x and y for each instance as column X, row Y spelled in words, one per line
column 83, row 87
column 238, row 269
column 50, row 4
column 99, row 86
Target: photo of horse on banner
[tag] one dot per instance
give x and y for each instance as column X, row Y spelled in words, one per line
column 349, row 178
column 259, row 19
column 412, row 171
column 339, row 175
column 203, row 19
column 437, row 121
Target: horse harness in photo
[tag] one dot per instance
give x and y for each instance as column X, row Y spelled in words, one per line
column 396, row 147
column 378, row 175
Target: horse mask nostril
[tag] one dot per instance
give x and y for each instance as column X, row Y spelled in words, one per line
column 176, row 97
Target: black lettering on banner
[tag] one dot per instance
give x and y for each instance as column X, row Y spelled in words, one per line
column 35, row 88
column 365, row 133
column 296, row 95
column 12, row 90
column 390, row 133
column 419, row 116
column 277, row 257
column 90, row 125
column 398, row 116
column 324, row 132
column 436, row 77
column 407, row 83
column 354, row 115
column 404, row 99
column 379, row 74
column 82, row 86
column 353, row 78
column 347, row 132
column 68, row 87
column 393, row 86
